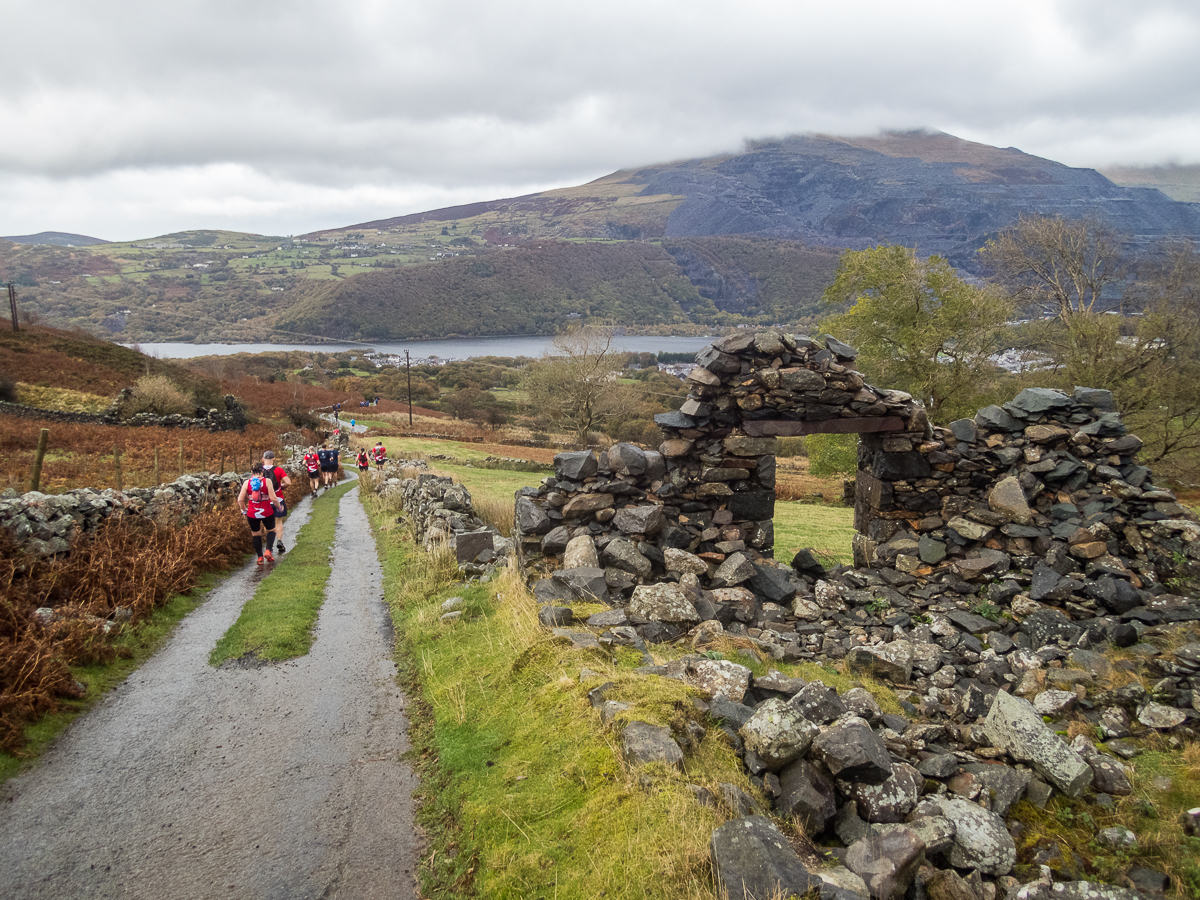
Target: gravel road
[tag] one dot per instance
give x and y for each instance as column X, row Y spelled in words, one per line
column 281, row 781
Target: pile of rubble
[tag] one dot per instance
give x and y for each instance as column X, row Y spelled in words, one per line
column 994, row 558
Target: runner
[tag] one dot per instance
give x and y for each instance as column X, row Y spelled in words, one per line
column 312, row 465
column 380, row 454
column 279, row 480
column 258, row 503
column 328, row 460
column 364, row 461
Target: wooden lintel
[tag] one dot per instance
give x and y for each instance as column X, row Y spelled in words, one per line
column 789, row 428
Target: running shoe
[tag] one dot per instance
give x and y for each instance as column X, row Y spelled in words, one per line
column 270, row 557
column 279, row 546
column 260, row 561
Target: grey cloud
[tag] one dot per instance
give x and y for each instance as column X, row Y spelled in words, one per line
column 493, row 98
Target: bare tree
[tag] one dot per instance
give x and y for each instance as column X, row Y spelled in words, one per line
column 576, row 380
column 1062, row 265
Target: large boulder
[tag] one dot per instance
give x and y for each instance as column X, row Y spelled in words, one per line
column 777, row 733
column 980, row 839
column 886, row 860
column 853, row 753
column 753, row 860
column 663, row 603
column 1013, row 724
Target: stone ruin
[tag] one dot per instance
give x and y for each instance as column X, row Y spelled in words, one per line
column 993, row 558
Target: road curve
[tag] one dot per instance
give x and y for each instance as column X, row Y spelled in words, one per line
column 281, row 781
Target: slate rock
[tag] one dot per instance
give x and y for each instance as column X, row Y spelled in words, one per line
column 891, row 801
column 1040, row 400
column 1109, row 775
column 993, row 418
column 777, row 733
column 753, row 860
column 1005, row 784
column 663, row 603
column 575, row 466
column 886, row 860
column 807, row 793
column 586, row 582
column 730, row 712
column 853, row 753
column 1013, row 724
column 555, row 616
column 647, row 519
column 643, row 743
column 892, row 661
column 1046, row 626
column 981, row 840
column 736, row 568
column 625, row 556
column 555, row 541
column 818, row 703
column 940, row 765
column 1008, row 499
column 531, row 518
column 964, row 430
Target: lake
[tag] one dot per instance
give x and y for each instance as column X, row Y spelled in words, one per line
column 456, row 348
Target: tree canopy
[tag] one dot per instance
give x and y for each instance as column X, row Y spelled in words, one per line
column 917, row 325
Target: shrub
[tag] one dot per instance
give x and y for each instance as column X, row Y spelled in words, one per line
column 159, row 396
column 302, row 417
column 832, row 454
column 789, row 446
column 8, row 389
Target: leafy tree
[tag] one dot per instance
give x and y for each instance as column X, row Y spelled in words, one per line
column 576, row 381
column 918, row 326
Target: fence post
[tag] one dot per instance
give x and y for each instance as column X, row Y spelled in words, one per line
column 222, row 472
column 117, row 467
column 35, row 480
column 181, row 459
column 157, row 479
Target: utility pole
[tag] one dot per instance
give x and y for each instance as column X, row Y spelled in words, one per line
column 408, row 373
column 12, row 303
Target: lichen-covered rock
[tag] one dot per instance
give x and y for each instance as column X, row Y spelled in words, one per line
column 886, row 860
column 752, row 860
column 1013, row 723
column 980, row 839
column 853, row 753
column 663, row 603
column 777, row 733
column 643, row 743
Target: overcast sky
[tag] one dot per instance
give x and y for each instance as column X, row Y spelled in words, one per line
column 128, row 119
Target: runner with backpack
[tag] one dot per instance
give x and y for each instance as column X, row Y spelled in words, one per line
column 364, row 462
column 259, row 503
column 312, row 464
column 280, row 480
column 380, row 454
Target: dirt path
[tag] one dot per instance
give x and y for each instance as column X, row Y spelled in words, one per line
column 190, row 782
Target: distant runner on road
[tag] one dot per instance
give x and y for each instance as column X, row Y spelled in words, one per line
column 312, row 464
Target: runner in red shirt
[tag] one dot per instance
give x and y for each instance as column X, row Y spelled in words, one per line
column 364, row 462
column 258, row 503
column 380, row 454
column 312, row 464
column 279, row 479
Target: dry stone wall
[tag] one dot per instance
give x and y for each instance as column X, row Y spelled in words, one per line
column 232, row 418
column 44, row 524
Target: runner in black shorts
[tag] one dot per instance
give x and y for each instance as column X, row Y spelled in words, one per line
column 257, row 501
column 329, row 466
column 279, row 479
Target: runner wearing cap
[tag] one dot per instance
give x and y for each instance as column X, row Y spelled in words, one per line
column 280, row 481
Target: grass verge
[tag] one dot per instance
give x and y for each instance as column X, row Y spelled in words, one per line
column 523, row 791
column 137, row 646
column 277, row 622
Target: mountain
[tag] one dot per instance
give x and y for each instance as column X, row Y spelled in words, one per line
column 741, row 238
column 55, row 238
column 926, row 189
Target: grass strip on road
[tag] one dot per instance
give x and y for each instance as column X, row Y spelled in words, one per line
column 277, row 622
